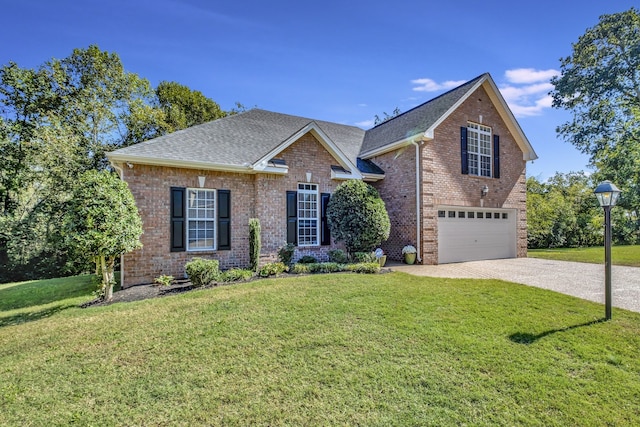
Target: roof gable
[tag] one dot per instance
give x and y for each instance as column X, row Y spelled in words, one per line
column 420, row 122
column 243, row 142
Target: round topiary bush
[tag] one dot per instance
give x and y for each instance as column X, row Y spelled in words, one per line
column 358, row 217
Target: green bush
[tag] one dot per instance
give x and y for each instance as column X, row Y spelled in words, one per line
column 202, row 272
column 325, row 267
column 357, row 216
column 307, row 259
column 272, row 269
column 285, row 253
column 254, row 243
column 163, row 280
column 301, row 268
column 235, row 275
column 364, row 267
column 317, row 267
column 360, row 257
column 339, row 256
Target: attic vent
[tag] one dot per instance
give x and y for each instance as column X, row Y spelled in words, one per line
column 277, row 162
column 339, row 169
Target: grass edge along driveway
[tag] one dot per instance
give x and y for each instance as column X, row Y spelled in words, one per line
column 620, row 255
column 388, row 349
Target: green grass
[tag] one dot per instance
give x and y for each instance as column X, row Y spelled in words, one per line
column 339, row 349
column 26, row 301
column 620, row 255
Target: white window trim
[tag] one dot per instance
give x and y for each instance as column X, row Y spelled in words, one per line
column 317, row 218
column 214, row 220
column 480, row 129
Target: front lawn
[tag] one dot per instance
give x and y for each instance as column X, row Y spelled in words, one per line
column 620, row 255
column 338, row 349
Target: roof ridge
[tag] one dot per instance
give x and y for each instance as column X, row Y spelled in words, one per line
column 430, row 100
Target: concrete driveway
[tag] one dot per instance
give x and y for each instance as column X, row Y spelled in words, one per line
column 572, row 278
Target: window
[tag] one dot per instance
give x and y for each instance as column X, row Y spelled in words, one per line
column 452, row 214
column 308, row 218
column 471, row 215
column 479, row 149
column 201, row 219
column 441, row 214
column 480, row 214
column 505, row 216
column 461, row 214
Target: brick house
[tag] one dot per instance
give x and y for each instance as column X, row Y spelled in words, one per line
column 451, row 172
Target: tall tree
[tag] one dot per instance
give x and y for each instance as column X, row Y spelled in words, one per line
column 102, row 220
column 184, row 107
column 600, row 85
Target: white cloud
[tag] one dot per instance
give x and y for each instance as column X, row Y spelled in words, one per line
column 365, row 124
column 362, row 105
column 527, row 91
column 529, row 75
column 429, row 85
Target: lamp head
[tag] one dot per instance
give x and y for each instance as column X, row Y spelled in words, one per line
column 607, row 194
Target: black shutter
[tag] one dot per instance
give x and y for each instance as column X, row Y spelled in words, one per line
column 224, row 220
column 496, row 156
column 178, row 223
column 325, row 235
column 464, row 152
column 292, row 217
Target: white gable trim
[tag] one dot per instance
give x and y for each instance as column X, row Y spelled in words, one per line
column 327, row 143
column 528, row 153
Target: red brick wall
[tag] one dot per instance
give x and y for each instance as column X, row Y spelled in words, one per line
column 442, row 182
column 398, row 190
column 262, row 196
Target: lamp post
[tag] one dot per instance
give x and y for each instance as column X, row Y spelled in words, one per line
column 607, row 194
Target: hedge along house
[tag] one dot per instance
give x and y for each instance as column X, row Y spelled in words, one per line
column 451, row 172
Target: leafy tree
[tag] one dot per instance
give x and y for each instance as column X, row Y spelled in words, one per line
column 56, row 122
column 183, row 107
column 563, row 212
column 357, row 215
column 386, row 116
column 600, row 85
column 102, row 221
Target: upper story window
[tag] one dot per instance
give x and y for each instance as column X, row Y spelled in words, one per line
column 479, row 149
column 201, row 219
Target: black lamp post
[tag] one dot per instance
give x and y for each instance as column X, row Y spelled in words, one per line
column 607, row 194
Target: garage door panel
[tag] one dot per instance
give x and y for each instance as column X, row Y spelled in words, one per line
column 469, row 239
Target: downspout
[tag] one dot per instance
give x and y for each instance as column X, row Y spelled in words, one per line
column 418, row 204
column 120, row 171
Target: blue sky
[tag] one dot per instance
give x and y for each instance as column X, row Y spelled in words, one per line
column 341, row 61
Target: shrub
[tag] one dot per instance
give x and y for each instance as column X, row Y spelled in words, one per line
column 254, row 243
column 285, row 253
column 202, row 272
column 163, row 280
column 301, row 268
column 364, row 267
column 325, row 267
column 360, row 257
column 357, row 216
column 272, row 269
column 339, row 256
column 235, row 275
column 307, row 259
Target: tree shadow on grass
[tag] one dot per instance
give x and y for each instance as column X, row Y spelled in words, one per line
column 527, row 338
column 32, row 316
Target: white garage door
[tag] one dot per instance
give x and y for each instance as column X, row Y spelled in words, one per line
column 466, row 234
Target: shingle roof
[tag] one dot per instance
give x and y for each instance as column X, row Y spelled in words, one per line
column 240, row 139
column 416, row 120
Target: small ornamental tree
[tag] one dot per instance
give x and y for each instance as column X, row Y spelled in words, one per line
column 102, row 221
column 358, row 217
column 254, row 243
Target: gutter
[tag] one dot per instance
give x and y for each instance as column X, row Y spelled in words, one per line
column 120, row 171
column 418, row 204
